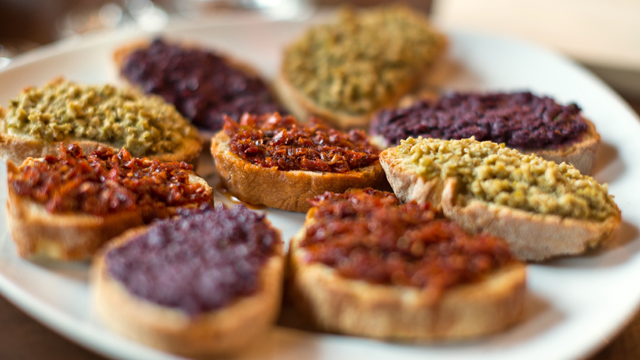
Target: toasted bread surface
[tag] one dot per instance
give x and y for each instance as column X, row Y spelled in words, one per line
column 286, row 190
column 356, row 307
column 66, row 236
column 531, row 236
column 222, row 331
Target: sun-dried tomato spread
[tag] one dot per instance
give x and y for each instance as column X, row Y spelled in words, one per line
column 368, row 235
column 520, row 120
column 279, row 141
column 107, row 182
column 202, row 85
column 199, row 262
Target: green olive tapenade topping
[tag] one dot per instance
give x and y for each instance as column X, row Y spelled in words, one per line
column 358, row 63
column 493, row 173
column 62, row 110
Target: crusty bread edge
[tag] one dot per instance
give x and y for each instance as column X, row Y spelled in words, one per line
column 77, row 236
column 531, row 237
column 581, row 154
column 286, row 190
column 356, row 307
column 223, row 331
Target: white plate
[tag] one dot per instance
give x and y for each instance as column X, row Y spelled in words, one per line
column 574, row 305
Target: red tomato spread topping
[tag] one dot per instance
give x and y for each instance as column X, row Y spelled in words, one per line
column 279, row 141
column 368, row 235
column 107, row 182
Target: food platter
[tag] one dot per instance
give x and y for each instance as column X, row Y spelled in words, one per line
column 574, row 305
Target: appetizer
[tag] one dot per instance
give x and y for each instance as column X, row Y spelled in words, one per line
column 523, row 121
column 203, row 284
column 40, row 119
column 365, row 264
column 345, row 71
column 274, row 161
column 203, row 86
column 540, row 208
column 67, row 206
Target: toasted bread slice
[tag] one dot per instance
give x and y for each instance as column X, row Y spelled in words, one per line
column 19, row 147
column 286, row 190
column 338, row 304
column 122, row 53
column 65, row 236
column 336, row 47
column 531, row 236
column 221, row 331
column 581, row 153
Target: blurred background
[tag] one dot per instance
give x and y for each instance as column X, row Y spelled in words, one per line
column 603, row 35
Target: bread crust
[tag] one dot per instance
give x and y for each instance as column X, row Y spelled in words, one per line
column 286, row 190
column 223, row 331
column 334, row 303
column 75, row 236
column 531, row 237
column 581, row 153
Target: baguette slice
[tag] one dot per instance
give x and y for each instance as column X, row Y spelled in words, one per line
column 17, row 147
column 302, row 106
column 334, row 303
column 531, row 236
column 122, row 53
column 581, row 153
column 66, row 236
column 222, row 331
column 286, row 190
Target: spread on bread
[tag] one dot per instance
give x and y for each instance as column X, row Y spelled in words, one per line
column 541, row 208
column 364, row 61
column 491, row 172
column 106, row 182
column 202, row 85
column 68, row 205
column 274, row 161
column 368, row 235
column 365, row 264
column 200, row 284
column 196, row 263
column 522, row 121
column 65, row 111
column 272, row 140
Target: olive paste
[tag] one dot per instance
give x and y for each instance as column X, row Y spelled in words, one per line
column 105, row 182
column 355, row 65
column 520, row 120
column 64, row 111
column 278, row 141
column 368, row 235
column 491, row 172
column 202, row 85
column 196, row 263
